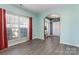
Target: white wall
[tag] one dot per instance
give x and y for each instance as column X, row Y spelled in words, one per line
column 56, row 28
column 69, row 24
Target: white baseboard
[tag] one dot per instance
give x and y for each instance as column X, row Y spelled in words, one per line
column 11, row 43
column 76, row 45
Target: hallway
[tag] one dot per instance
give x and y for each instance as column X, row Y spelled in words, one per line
column 50, row 46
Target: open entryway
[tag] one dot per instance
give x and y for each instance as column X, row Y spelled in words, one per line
column 52, row 26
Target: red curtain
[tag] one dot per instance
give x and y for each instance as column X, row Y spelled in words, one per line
column 3, row 32
column 30, row 29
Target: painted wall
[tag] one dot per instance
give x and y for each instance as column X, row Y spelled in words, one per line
column 69, row 24
column 19, row 11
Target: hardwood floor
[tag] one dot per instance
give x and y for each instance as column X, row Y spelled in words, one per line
column 50, row 46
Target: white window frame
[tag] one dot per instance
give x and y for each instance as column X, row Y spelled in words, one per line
column 19, row 40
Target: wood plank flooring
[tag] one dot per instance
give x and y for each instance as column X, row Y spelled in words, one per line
column 50, row 46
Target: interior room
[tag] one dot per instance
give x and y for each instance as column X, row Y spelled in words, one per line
column 39, row 29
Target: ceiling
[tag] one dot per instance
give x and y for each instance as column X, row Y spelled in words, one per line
column 37, row 8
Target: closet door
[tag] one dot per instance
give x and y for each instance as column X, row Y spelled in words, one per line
column 56, row 28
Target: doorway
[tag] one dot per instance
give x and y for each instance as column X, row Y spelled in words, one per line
column 52, row 26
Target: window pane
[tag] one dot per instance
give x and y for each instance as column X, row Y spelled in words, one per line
column 8, row 25
column 15, row 33
column 15, row 25
column 23, row 32
column 9, row 30
column 11, row 19
column 21, row 20
column 16, row 19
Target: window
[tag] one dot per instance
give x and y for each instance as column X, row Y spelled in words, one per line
column 17, row 27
